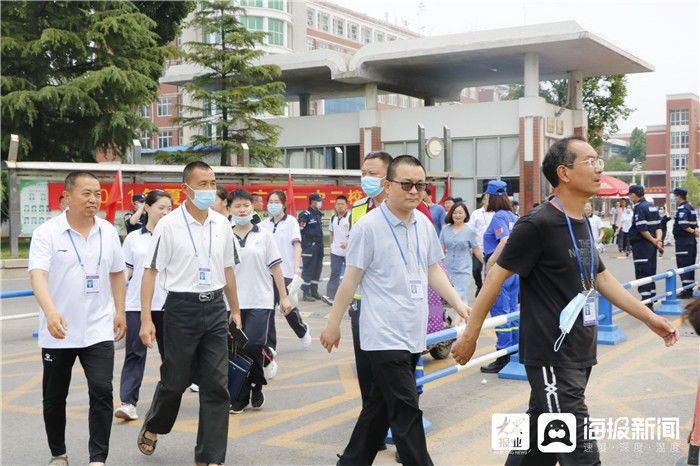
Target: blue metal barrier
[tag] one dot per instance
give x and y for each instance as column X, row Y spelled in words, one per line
column 16, row 294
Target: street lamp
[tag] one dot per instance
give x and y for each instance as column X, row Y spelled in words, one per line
column 636, row 166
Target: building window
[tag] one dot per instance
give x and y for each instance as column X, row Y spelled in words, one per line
column 145, row 111
column 381, row 98
column 391, row 38
column 339, row 27
column 679, row 117
column 256, row 3
column 181, row 136
column 677, row 182
column 404, row 101
column 679, row 140
column 310, row 17
column 275, row 33
column 352, row 31
column 145, row 138
column 275, row 4
column 165, row 138
column 165, row 106
column 392, row 100
column 679, row 161
column 366, row 35
column 252, row 23
column 310, row 44
column 379, row 36
column 323, row 22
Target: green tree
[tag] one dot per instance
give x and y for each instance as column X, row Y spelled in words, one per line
column 167, row 15
column 603, row 100
column 637, row 148
column 692, row 184
column 616, row 163
column 230, row 99
column 72, row 75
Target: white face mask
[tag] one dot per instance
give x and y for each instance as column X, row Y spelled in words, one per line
column 241, row 220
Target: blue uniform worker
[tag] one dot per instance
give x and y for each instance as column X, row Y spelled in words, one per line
column 685, row 232
column 645, row 239
column 507, row 301
column 311, row 226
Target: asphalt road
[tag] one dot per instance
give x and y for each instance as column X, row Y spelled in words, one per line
column 313, row 402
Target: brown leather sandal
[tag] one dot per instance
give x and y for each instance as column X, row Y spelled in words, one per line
column 142, row 442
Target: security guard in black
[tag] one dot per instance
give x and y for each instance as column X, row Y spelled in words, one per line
column 645, row 219
column 685, row 227
column 311, row 226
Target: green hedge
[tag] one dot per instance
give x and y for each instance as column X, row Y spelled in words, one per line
column 608, row 235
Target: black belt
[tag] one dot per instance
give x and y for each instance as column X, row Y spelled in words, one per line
column 203, row 297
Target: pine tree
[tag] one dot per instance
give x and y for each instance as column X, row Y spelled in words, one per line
column 230, row 99
column 73, row 74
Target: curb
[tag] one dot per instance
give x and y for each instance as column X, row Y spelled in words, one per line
column 14, row 263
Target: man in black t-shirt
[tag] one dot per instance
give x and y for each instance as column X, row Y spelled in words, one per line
column 552, row 250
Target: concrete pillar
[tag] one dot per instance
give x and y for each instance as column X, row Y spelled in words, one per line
column 304, row 104
column 576, row 90
column 370, row 140
column 531, row 74
column 371, row 96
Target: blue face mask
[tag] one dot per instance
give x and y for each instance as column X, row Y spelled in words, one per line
column 245, row 220
column 371, row 185
column 274, row 209
column 203, row 198
column 569, row 314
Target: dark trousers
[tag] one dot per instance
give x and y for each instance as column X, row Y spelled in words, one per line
column 393, row 402
column 312, row 263
column 135, row 355
column 644, row 255
column 362, row 365
column 194, row 330
column 623, row 241
column 477, row 268
column 293, row 319
column 337, row 269
column 256, row 326
column 98, row 364
column 557, row 390
column 686, row 252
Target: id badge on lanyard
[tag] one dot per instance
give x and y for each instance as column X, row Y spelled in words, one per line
column 203, row 274
column 590, row 310
column 415, row 289
column 91, row 284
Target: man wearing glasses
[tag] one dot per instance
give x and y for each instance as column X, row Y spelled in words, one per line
column 553, row 251
column 393, row 255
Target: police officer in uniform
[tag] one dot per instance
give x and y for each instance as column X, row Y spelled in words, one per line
column 685, row 230
column 310, row 223
column 645, row 239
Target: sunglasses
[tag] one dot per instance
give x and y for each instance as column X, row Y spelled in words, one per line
column 408, row 185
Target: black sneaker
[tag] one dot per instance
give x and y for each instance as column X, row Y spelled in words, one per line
column 237, row 407
column 257, row 399
column 685, row 294
column 496, row 366
column 308, row 297
column 327, row 300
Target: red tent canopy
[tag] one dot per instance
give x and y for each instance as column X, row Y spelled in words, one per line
column 610, row 186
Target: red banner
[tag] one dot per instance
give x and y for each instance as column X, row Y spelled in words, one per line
column 301, row 192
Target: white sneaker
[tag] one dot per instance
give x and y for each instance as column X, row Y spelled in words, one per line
column 60, row 460
column 127, row 412
column 306, row 339
column 194, row 388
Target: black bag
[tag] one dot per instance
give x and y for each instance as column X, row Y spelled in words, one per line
column 238, row 364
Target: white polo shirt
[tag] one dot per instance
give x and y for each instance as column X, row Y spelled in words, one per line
column 480, row 221
column 134, row 248
column 258, row 253
column 89, row 316
column 285, row 232
column 340, row 227
column 391, row 319
column 178, row 252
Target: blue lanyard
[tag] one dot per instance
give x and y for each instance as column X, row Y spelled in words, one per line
column 578, row 254
column 398, row 245
column 187, row 224
column 80, row 260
